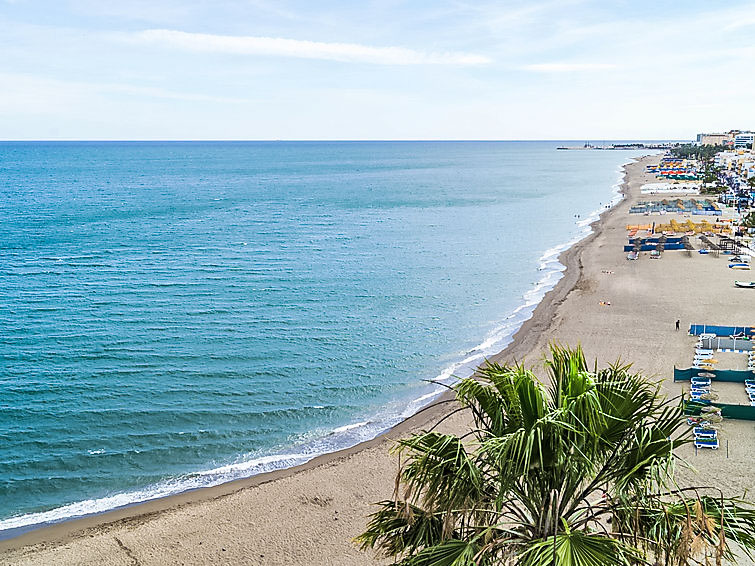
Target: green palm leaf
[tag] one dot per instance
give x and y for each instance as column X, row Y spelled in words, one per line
column 579, row 549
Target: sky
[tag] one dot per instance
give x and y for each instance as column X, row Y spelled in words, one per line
column 383, row 69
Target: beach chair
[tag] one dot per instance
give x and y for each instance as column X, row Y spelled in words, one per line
column 701, row 432
column 711, row 443
column 700, row 381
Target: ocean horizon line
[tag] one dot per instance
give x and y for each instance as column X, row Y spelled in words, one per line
column 370, row 140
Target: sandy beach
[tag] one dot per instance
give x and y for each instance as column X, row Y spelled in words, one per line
column 309, row 514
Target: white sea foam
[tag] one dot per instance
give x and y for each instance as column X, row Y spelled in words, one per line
column 349, row 427
column 551, row 271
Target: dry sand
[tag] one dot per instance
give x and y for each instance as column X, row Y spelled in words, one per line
column 308, row 515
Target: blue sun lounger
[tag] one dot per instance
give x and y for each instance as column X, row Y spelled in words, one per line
column 702, row 432
column 711, row 443
column 697, row 397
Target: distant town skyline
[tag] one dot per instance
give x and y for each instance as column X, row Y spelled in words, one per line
column 259, row 69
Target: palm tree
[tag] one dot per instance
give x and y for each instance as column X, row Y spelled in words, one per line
column 576, row 473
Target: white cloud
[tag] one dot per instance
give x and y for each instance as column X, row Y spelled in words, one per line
column 567, row 67
column 343, row 52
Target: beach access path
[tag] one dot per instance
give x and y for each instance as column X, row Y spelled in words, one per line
column 310, row 514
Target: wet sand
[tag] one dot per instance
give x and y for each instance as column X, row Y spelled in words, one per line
column 309, row 514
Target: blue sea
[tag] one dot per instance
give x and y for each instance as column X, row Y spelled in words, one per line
column 180, row 314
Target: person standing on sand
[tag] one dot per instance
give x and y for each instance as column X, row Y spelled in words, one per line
column 677, row 325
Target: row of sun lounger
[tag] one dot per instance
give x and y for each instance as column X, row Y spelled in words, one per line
column 703, row 358
column 705, row 435
column 750, row 390
column 699, row 388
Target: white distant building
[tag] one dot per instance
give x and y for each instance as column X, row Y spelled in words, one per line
column 748, row 169
column 738, row 161
column 744, row 140
column 713, row 139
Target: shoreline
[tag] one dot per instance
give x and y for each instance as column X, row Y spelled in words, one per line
column 522, row 342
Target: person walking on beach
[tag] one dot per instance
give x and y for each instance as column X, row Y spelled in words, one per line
column 677, row 325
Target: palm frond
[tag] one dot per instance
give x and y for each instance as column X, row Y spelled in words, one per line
column 576, row 548
column 441, row 472
column 448, row 553
column 401, row 527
